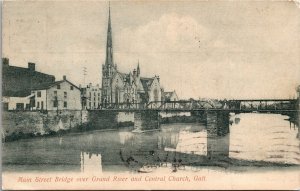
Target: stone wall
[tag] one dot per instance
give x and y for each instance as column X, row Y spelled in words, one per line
column 32, row 123
column 102, row 119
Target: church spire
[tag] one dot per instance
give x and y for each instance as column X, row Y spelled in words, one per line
column 109, row 48
column 138, row 69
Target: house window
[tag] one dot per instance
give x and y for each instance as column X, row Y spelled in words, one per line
column 38, row 104
column 71, row 87
column 65, row 104
column 20, row 106
column 39, row 94
column 58, row 86
column 55, row 93
column 65, row 94
column 55, row 103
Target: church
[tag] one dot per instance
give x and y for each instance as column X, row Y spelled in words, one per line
column 119, row 87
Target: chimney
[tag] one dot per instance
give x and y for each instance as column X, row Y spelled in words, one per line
column 5, row 61
column 64, row 77
column 31, row 66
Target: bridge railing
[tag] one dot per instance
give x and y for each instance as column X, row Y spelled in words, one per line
column 205, row 105
column 162, row 105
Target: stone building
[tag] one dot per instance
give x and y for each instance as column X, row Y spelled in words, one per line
column 170, row 96
column 59, row 95
column 118, row 87
column 91, row 96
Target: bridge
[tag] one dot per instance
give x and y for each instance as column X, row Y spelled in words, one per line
column 146, row 116
column 255, row 105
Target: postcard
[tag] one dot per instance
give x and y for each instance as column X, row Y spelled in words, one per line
column 136, row 94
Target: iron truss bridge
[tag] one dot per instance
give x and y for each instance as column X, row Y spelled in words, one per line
column 255, row 105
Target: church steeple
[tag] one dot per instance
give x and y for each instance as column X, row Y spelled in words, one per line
column 138, row 69
column 109, row 47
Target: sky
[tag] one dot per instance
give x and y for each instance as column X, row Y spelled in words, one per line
column 201, row 49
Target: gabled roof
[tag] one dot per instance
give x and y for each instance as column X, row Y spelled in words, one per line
column 123, row 75
column 146, row 82
column 45, row 86
column 168, row 94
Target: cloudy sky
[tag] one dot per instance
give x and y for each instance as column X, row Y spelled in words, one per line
column 214, row 49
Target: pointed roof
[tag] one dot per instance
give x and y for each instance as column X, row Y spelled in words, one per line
column 138, row 68
column 146, row 82
column 109, row 47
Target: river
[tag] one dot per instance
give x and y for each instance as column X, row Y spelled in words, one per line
column 254, row 140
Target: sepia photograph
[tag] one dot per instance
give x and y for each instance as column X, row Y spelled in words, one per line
column 136, row 94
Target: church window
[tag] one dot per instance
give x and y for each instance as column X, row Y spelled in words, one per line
column 155, row 94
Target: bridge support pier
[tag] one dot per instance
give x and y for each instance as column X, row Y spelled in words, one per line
column 217, row 134
column 217, row 123
column 146, row 120
column 102, row 119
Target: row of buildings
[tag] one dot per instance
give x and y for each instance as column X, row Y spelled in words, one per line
column 28, row 89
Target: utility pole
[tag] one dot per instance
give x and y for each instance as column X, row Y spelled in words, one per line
column 84, row 74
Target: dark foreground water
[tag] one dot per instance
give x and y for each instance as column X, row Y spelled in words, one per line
column 254, row 141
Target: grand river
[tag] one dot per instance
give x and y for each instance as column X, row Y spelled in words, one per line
column 254, row 141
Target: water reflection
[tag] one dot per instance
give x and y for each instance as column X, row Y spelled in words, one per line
column 90, row 162
column 254, row 139
column 269, row 138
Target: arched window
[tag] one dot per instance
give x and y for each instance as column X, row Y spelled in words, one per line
column 155, row 92
column 117, row 94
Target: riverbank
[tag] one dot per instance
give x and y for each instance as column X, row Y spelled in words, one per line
column 51, row 133
column 18, row 125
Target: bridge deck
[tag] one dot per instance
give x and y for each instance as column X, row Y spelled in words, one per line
column 201, row 109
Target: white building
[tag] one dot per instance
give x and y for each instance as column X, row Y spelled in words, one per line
column 16, row 103
column 59, row 95
column 92, row 96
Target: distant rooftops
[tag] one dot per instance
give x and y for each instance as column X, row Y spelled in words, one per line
column 45, row 86
column 30, row 68
column 19, row 81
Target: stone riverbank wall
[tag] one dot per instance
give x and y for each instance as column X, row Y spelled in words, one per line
column 22, row 124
